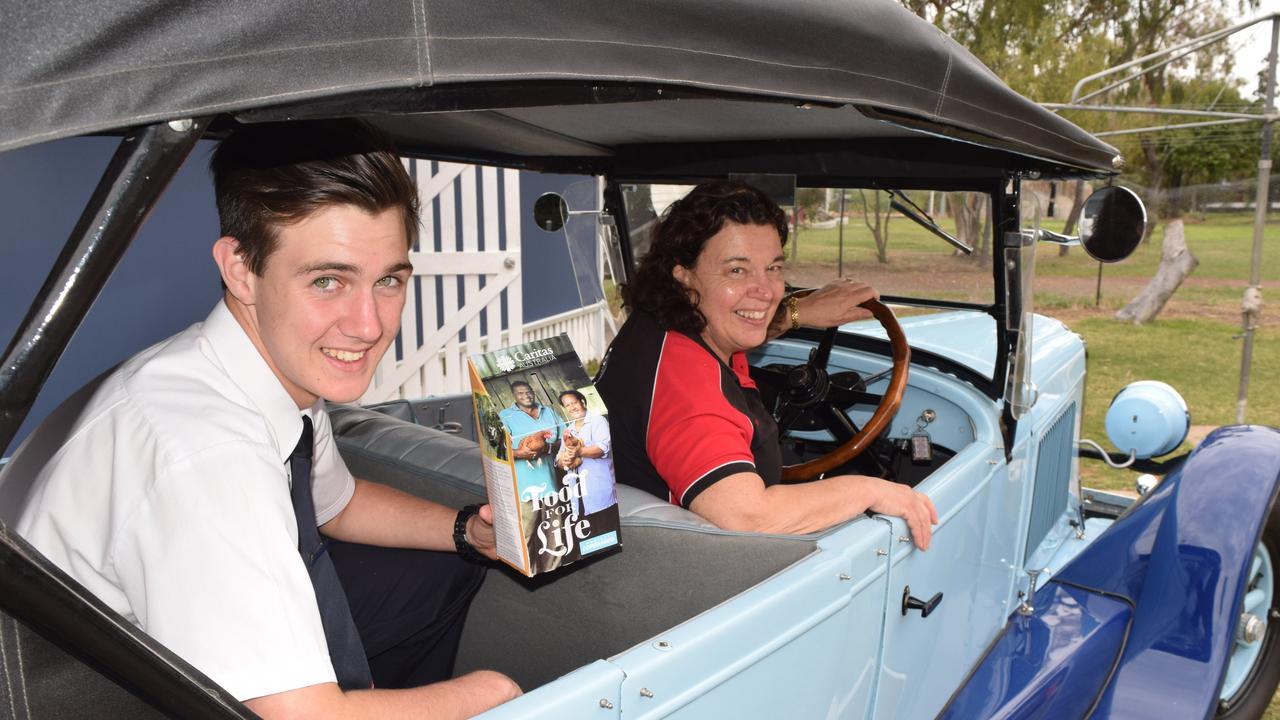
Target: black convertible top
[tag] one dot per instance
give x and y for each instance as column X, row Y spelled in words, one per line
column 518, row 80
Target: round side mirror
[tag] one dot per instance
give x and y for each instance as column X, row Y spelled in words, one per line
column 550, row 212
column 1112, row 223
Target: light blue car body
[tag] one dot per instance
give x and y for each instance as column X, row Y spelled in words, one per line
column 827, row 637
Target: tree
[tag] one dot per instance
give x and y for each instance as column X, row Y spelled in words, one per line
column 971, row 212
column 1176, row 263
column 879, row 227
column 810, row 200
column 1042, row 49
column 1206, row 154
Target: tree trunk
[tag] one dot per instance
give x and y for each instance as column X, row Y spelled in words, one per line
column 1157, row 198
column 1073, row 217
column 880, row 229
column 964, row 210
column 1176, row 263
column 983, row 247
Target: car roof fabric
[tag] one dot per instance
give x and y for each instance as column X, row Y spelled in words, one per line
column 73, row 68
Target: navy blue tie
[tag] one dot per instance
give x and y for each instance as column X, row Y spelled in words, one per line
column 345, row 649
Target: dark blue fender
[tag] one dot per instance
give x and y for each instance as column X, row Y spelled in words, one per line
column 1140, row 624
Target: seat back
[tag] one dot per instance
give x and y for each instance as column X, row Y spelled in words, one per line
column 86, row 661
column 419, row 460
column 42, row 681
column 672, row 564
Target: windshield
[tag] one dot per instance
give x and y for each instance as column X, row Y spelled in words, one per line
column 860, row 233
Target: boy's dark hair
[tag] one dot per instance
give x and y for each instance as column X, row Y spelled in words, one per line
column 273, row 175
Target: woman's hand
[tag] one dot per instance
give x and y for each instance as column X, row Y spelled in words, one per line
column 916, row 508
column 835, row 303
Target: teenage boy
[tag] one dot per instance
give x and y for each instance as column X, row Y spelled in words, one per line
column 187, row 485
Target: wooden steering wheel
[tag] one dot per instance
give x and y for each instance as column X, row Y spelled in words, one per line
column 807, row 388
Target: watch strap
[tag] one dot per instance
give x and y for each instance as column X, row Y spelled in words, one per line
column 465, row 549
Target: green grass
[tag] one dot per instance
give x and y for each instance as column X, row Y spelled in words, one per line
column 905, row 237
column 1199, row 358
column 1222, row 243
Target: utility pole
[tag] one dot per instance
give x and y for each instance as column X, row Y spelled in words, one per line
column 1251, row 306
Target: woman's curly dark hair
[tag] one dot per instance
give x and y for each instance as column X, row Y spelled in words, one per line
column 678, row 239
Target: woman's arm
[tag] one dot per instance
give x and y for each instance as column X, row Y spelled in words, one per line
column 833, row 304
column 743, row 502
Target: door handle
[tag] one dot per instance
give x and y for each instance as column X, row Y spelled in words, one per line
column 924, row 606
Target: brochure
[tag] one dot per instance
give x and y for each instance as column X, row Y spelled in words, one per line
column 548, row 459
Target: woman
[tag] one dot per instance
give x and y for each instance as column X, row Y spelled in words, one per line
column 688, row 421
column 585, row 452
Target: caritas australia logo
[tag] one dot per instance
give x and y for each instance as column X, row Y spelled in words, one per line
column 523, row 359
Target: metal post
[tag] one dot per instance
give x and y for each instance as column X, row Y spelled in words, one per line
column 138, row 172
column 840, row 260
column 1251, row 306
column 1097, row 291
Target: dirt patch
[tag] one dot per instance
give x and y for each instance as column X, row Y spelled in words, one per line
column 1081, row 293
column 1197, row 433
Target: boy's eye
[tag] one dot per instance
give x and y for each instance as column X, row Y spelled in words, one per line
column 324, row 283
column 389, row 281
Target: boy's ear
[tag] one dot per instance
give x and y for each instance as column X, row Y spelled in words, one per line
column 236, row 275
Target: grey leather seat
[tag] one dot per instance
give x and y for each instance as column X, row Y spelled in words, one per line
column 672, row 564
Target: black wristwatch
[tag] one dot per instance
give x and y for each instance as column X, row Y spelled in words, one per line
column 465, row 550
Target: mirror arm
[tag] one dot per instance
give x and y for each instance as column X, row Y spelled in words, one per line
column 1050, row 236
column 1107, row 457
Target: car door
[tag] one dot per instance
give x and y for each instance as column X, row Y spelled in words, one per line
column 970, row 563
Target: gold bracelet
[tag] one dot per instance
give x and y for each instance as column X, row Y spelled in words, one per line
column 795, row 312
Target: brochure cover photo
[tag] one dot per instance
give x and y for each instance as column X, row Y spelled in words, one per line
column 548, row 460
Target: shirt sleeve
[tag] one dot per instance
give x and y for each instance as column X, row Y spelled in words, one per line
column 695, row 437
column 600, row 435
column 210, row 565
column 332, row 484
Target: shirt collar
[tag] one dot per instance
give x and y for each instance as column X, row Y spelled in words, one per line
column 737, row 361
column 249, row 371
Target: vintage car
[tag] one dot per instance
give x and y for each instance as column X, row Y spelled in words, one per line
column 1038, row 598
